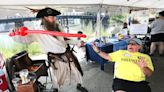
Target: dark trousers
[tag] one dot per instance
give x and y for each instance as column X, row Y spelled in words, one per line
column 130, row 86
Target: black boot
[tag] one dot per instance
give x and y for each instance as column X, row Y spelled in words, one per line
column 82, row 89
column 40, row 86
column 54, row 90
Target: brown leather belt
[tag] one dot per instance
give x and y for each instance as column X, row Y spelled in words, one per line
column 66, row 57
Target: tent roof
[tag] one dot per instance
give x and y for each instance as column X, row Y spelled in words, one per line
column 129, row 3
column 9, row 8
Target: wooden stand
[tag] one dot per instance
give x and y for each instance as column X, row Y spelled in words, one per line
column 29, row 87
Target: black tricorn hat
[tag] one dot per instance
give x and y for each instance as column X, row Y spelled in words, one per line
column 47, row 12
column 161, row 13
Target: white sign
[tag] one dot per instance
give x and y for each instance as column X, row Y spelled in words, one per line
column 138, row 28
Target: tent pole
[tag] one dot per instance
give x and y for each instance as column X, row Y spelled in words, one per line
column 98, row 30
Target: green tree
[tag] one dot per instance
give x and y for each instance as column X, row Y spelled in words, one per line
column 118, row 19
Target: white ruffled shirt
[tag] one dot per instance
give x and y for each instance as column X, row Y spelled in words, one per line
column 47, row 42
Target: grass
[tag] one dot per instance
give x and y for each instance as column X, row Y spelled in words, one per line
column 33, row 49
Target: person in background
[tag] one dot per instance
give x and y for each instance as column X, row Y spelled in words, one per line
column 150, row 21
column 131, row 67
column 125, row 25
column 64, row 63
column 81, row 42
column 80, row 48
column 157, row 35
column 123, row 33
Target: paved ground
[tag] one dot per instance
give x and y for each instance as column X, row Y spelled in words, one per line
column 157, row 79
column 96, row 80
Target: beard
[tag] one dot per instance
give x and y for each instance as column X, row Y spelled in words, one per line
column 51, row 26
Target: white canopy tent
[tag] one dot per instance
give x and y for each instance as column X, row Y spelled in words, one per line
column 83, row 5
column 129, row 3
column 112, row 6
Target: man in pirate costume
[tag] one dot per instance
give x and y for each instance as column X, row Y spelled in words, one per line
column 63, row 62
